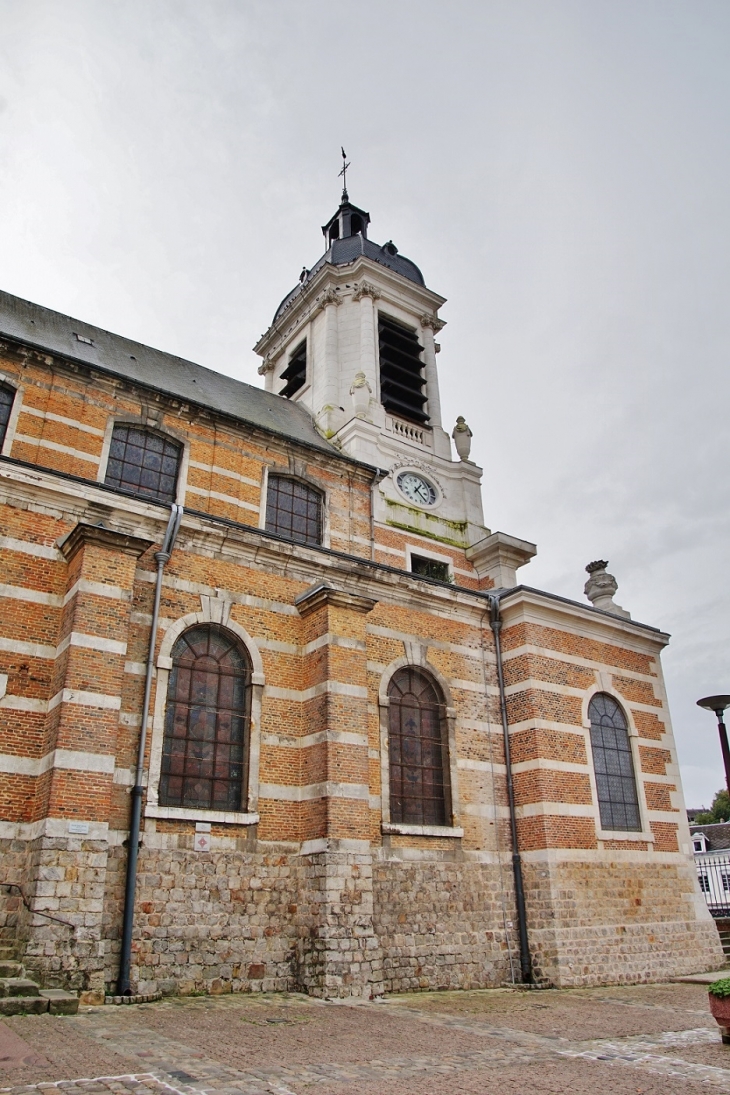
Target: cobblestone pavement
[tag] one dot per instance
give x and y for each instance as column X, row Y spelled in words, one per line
column 647, row 1039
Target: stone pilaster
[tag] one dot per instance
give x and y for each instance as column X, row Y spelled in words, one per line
column 429, row 324
column 340, row 954
column 69, row 854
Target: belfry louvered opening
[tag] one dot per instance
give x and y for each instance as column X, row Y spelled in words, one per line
column 295, row 373
column 401, row 376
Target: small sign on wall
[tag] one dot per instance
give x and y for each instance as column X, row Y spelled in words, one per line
column 202, row 836
column 81, row 827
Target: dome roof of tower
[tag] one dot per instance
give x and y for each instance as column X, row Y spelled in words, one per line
column 342, row 252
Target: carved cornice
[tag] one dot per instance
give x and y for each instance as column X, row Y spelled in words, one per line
column 433, row 322
column 102, row 537
column 319, row 595
column 329, row 296
column 499, row 556
column 364, row 289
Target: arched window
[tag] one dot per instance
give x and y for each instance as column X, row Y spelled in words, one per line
column 206, row 722
column 418, row 750
column 144, row 462
column 294, row 510
column 613, row 764
column 7, row 395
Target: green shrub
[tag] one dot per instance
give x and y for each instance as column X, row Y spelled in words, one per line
column 720, row 988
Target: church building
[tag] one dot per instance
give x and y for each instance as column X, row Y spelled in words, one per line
column 277, row 711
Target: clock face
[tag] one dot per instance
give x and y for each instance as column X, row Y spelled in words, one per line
column 416, row 488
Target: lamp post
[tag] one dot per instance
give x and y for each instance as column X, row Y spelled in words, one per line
column 718, row 705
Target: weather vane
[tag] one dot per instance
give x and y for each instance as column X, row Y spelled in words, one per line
column 343, row 173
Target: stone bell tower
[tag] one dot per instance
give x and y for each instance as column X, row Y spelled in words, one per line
column 355, row 343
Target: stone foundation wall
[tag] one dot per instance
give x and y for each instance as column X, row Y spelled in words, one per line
column 345, row 921
column 14, row 917
column 70, row 877
column 222, row 921
column 340, row 954
column 605, row 921
column 440, row 924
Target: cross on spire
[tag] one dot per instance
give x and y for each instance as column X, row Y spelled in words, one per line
column 343, row 173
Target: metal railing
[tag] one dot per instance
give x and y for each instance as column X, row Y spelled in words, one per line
column 713, row 872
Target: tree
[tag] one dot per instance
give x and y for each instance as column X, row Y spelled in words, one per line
column 719, row 811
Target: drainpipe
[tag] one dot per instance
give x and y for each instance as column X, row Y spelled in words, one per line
column 124, row 987
column 495, row 622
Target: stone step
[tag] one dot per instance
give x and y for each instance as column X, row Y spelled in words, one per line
column 10, row 969
column 61, row 1002
column 23, row 1005
column 18, row 986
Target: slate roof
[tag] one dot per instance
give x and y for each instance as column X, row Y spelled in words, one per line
column 343, row 252
column 56, row 333
column 718, row 835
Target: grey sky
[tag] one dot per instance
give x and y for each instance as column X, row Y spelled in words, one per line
column 559, row 170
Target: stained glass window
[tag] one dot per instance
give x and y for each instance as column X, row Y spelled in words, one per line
column 206, row 722
column 613, row 764
column 294, row 510
column 7, row 395
column 143, row 462
column 419, row 784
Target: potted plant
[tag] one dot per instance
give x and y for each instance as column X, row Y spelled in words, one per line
column 720, row 1005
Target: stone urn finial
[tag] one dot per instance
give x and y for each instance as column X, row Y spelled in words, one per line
column 462, row 436
column 360, row 392
column 601, row 587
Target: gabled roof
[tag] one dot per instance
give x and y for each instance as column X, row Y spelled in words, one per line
column 718, row 835
column 56, row 333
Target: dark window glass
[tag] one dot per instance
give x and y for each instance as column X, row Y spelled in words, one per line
column 613, row 764
column 419, row 768
column 704, row 883
column 401, row 376
column 430, row 568
column 294, row 510
column 295, row 373
column 206, row 722
column 7, row 395
column 144, row 462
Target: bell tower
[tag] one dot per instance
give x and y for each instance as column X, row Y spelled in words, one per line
column 355, row 343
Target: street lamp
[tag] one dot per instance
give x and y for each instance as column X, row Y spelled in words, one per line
column 718, row 705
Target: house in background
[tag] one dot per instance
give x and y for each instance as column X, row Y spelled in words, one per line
column 359, row 722
column 711, row 848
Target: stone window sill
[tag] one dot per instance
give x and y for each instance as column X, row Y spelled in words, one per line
column 184, row 813
column 421, row 830
column 626, row 834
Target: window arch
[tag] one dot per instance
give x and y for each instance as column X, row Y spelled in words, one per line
column 7, row 398
column 418, row 750
column 144, row 462
column 205, row 744
column 293, row 509
column 613, row 763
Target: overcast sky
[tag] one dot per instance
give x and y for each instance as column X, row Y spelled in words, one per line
column 559, row 170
